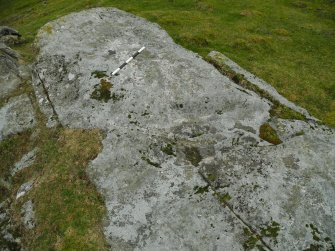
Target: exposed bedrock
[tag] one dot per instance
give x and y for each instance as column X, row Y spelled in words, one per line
column 183, row 167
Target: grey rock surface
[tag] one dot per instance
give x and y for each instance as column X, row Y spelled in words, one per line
column 28, row 215
column 182, row 167
column 16, row 116
column 9, row 70
column 9, row 36
column 290, row 184
column 7, row 31
column 26, row 161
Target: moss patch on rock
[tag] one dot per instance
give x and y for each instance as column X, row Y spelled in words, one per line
column 267, row 133
column 271, row 230
column 252, row 241
column 102, row 91
column 201, row 190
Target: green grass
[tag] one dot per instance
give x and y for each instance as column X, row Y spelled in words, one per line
column 68, row 208
column 290, row 44
column 11, row 150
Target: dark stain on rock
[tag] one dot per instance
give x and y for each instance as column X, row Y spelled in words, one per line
column 168, row 149
column 192, row 154
column 117, row 97
column 291, row 162
column 238, row 125
column 99, row 74
column 151, row 162
column 201, row 190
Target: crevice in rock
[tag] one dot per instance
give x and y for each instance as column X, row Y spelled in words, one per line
column 230, row 208
column 55, row 115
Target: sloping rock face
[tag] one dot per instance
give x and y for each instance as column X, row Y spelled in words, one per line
column 183, row 167
column 16, row 116
column 9, row 72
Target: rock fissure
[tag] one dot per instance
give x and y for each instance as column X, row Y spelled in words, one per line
column 45, row 90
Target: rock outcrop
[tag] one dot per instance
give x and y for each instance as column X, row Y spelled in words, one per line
column 183, row 166
column 16, row 115
column 9, row 68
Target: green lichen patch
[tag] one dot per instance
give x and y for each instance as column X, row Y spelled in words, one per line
column 48, row 29
column 99, row 74
column 168, row 149
column 192, row 154
column 102, row 91
column 150, row 162
column 201, row 190
column 271, row 230
column 211, row 177
column 267, row 133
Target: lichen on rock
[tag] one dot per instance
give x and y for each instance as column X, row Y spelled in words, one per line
column 155, row 191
